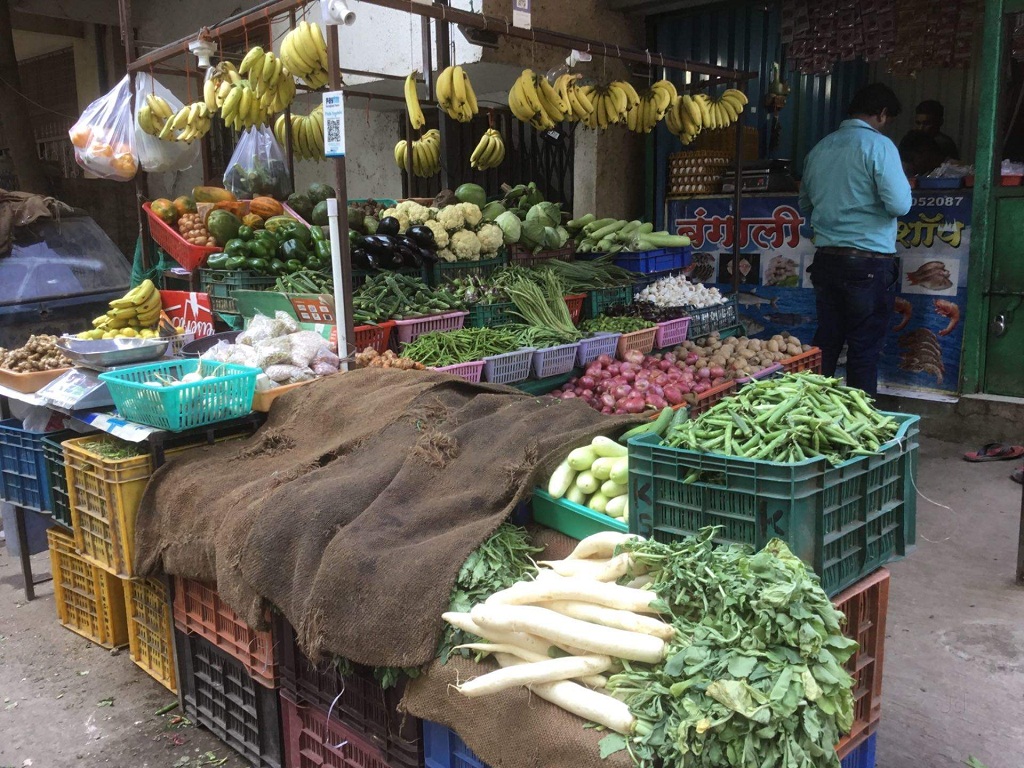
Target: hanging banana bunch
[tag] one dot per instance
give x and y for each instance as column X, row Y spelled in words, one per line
column 304, row 53
column 727, row 109
column 192, row 122
column 489, row 152
column 455, row 94
column 612, row 103
column 154, row 114
column 534, row 100
column 569, row 91
column 654, row 105
column 269, row 78
column 684, row 118
column 426, row 154
column 412, row 102
column 307, row 134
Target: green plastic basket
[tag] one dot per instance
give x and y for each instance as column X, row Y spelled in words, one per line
column 224, row 393
column 843, row 521
column 220, row 285
column 570, row 518
column 602, row 298
column 446, row 271
column 707, row 320
column 491, row 315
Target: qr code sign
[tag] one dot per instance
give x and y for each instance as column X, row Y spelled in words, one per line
column 333, row 131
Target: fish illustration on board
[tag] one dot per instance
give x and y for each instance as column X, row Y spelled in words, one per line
column 932, row 275
column 789, row 318
column 752, row 326
column 751, row 299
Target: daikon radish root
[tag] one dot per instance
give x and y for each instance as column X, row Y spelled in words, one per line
column 600, row 545
column 531, row 673
column 589, row 569
column 611, row 617
column 535, row 645
column 559, row 629
column 592, row 706
column 640, row 581
column 586, row 590
column 615, row 568
column 593, row 681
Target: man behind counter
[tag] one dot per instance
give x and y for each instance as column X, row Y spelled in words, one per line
column 928, row 119
column 852, row 191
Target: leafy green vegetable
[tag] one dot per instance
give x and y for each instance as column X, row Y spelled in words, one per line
column 754, row 676
column 547, row 214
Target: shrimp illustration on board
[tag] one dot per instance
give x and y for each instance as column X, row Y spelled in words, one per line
column 950, row 310
column 904, row 309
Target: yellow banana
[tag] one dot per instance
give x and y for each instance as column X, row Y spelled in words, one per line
column 443, row 89
column 529, row 91
column 412, row 102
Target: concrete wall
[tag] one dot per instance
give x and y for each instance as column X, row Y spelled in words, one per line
column 29, row 44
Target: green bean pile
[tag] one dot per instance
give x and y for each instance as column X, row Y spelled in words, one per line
column 606, row 324
column 787, row 420
column 441, row 348
column 388, row 295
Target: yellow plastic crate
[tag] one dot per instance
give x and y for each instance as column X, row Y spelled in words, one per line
column 89, row 600
column 151, row 629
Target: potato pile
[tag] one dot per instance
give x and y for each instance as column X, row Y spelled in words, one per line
column 371, row 358
column 194, row 231
column 739, row 356
column 40, row 353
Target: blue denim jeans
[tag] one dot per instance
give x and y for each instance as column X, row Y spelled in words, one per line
column 855, row 297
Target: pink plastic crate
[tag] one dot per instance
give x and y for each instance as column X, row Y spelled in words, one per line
column 468, row 371
column 410, row 330
column 671, row 332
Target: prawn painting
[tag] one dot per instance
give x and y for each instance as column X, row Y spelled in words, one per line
column 950, row 310
column 904, row 309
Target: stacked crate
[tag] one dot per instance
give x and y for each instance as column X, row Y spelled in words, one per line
column 341, row 716
column 227, row 674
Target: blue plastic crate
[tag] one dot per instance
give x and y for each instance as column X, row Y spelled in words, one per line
column 224, row 393
column 442, row 748
column 650, row 262
column 23, row 477
column 863, row 755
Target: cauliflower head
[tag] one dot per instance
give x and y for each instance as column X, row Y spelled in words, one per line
column 440, row 233
column 471, row 213
column 491, row 238
column 418, row 214
column 452, row 218
column 401, row 215
column 445, row 255
column 465, row 245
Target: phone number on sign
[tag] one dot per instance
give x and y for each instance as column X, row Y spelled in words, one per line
column 934, row 201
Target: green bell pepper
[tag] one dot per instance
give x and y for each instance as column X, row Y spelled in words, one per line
column 237, row 247
column 267, row 238
column 296, row 231
column 318, row 234
column 257, row 265
column 278, row 267
column 258, row 249
column 323, row 250
column 217, row 261
column 294, row 265
column 235, row 262
column 292, row 249
column 245, row 233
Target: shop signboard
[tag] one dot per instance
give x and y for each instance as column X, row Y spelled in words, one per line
column 922, row 353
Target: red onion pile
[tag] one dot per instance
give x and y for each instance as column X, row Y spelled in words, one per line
column 641, row 382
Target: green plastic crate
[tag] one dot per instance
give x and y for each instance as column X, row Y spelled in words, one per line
column 56, row 474
column 570, row 518
column 544, row 386
column 220, row 285
column 843, row 521
column 446, row 271
column 598, row 301
column 491, row 315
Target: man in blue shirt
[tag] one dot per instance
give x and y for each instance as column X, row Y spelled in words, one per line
column 853, row 189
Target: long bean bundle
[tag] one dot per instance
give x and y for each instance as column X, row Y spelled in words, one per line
column 787, row 420
column 583, row 276
column 544, row 306
column 441, row 348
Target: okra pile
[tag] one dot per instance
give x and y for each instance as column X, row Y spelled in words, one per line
column 787, row 420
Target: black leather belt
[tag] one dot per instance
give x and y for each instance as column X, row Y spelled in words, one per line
column 855, row 253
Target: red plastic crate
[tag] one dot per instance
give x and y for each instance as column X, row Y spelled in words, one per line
column 358, row 700
column 181, row 250
column 805, row 361
column 642, row 341
column 711, row 397
column 199, row 610
column 312, row 740
column 574, row 302
column 376, row 336
column 865, row 606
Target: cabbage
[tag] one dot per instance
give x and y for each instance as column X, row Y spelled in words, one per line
column 511, row 227
column 552, row 240
column 548, row 214
column 534, row 235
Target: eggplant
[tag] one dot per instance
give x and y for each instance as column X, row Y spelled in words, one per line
column 360, row 259
column 428, row 256
column 423, row 235
column 379, row 245
column 389, row 225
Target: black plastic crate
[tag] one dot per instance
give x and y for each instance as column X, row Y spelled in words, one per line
column 355, row 698
column 217, row 692
column 57, row 477
column 707, row 320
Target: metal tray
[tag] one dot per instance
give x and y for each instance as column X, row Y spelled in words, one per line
column 111, row 352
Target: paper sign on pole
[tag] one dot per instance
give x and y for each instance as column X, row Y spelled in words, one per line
column 522, row 10
column 334, row 124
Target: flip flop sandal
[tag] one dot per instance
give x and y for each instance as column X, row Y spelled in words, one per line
column 995, row 452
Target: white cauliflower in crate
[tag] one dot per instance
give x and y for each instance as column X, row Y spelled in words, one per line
column 452, row 218
column 471, row 213
column 465, row 245
column 491, row 239
column 417, row 214
column 440, row 233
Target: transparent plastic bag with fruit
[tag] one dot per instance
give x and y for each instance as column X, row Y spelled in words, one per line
column 104, row 136
column 155, row 105
column 257, row 167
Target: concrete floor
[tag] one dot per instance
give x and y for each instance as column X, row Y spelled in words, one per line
column 954, row 657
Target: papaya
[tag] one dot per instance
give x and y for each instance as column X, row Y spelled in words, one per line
column 212, row 195
column 236, row 207
column 184, row 204
column 274, row 222
column 166, row 210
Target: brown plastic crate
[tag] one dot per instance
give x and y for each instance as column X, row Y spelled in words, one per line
column 89, row 600
column 574, row 302
column 713, row 396
column 312, row 740
column 865, row 606
column 642, row 341
column 199, row 610
column 151, row 629
column 354, row 698
column 805, row 361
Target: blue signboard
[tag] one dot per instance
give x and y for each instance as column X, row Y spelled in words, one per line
column 923, row 350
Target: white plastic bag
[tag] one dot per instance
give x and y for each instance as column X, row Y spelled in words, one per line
column 158, row 156
column 104, row 136
column 257, row 166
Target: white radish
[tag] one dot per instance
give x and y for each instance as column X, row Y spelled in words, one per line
column 590, row 705
column 593, row 681
column 615, row 568
column 590, row 569
column 531, row 673
column 611, row 617
column 522, row 640
column 562, row 588
column 640, row 582
column 600, row 545
column 557, row 628
column 602, row 468
column 582, row 458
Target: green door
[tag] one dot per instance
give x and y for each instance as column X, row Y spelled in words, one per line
column 1005, row 341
